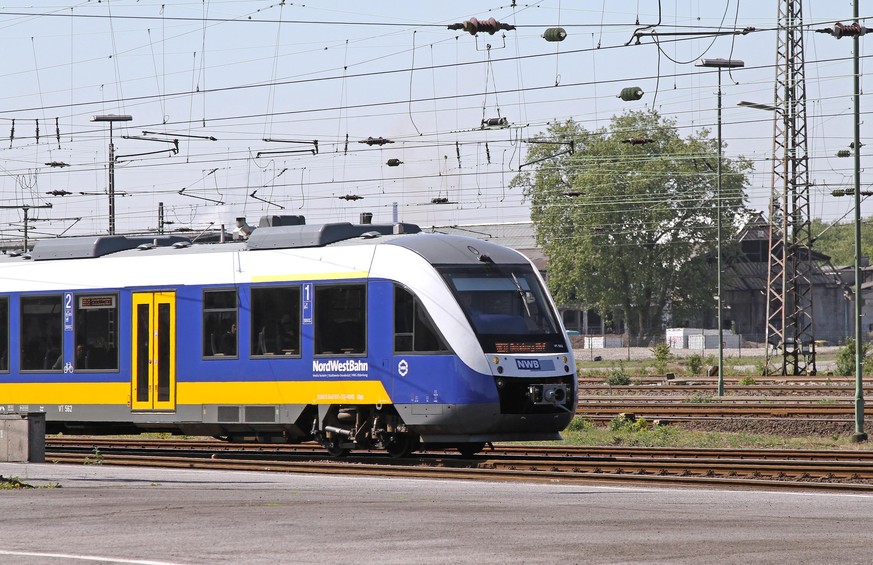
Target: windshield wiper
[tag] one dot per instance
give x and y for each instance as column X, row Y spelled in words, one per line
column 521, row 295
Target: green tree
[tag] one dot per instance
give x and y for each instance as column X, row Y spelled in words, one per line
column 627, row 216
column 846, row 359
column 837, row 240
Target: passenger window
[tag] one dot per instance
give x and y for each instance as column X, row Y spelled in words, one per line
column 220, row 323
column 275, row 321
column 414, row 332
column 4, row 334
column 340, row 319
column 96, row 335
column 42, row 333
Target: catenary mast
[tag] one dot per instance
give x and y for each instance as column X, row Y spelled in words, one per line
column 789, row 286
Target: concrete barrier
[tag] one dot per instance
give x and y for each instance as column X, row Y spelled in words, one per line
column 22, row 437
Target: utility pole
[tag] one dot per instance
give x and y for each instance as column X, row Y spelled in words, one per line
column 859, row 435
column 111, row 118
column 855, row 30
column 719, row 64
column 25, row 208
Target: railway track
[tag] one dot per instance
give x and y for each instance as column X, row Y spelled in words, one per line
column 803, row 380
column 731, row 391
column 830, row 470
column 679, row 400
column 654, row 408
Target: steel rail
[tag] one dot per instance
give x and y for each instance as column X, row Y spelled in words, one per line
column 779, row 390
column 801, row 469
column 801, row 380
column 721, row 401
column 88, row 444
column 714, row 408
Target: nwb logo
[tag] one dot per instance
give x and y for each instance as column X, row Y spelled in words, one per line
column 529, row 364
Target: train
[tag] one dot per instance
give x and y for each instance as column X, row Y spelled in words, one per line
column 357, row 336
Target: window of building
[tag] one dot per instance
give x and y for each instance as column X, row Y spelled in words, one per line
column 340, row 319
column 4, row 333
column 414, row 332
column 220, row 323
column 275, row 320
column 96, row 332
column 42, row 333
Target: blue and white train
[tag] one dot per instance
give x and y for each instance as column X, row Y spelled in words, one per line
column 354, row 335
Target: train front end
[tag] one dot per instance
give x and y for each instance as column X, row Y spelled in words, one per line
column 514, row 376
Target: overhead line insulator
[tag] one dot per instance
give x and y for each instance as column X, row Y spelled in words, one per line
column 844, row 30
column 555, row 34
column 631, row 93
column 640, row 140
column 495, row 123
column 474, row 26
column 375, row 141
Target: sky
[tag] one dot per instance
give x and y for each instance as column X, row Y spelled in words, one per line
column 252, row 108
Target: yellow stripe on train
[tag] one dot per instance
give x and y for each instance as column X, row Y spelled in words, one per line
column 64, row 393
column 284, row 392
column 293, row 392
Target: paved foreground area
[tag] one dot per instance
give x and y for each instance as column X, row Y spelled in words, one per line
column 158, row 516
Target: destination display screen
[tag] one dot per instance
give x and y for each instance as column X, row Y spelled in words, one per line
column 521, row 347
column 97, row 302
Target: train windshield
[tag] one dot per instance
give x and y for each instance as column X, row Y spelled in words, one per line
column 507, row 307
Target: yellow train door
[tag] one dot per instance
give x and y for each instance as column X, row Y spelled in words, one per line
column 153, row 359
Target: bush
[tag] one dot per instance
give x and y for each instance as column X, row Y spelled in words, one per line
column 628, row 423
column 846, row 359
column 617, row 377
column 580, row 424
column 747, row 380
column 695, row 364
column 661, row 351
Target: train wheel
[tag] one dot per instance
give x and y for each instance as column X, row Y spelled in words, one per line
column 401, row 445
column 471, row 449
column 334, row 448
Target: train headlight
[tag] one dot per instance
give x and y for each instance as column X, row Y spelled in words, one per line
column 501, row 384
column 496, row 360
column 500, row 369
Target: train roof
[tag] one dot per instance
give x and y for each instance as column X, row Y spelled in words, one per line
column 89, row 247
column 435, row 248
column 441, row 249
column 291, row 237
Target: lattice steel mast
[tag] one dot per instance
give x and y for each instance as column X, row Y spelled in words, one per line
column 789, row 294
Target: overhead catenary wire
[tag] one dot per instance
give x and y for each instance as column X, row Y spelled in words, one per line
column 235, row 120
